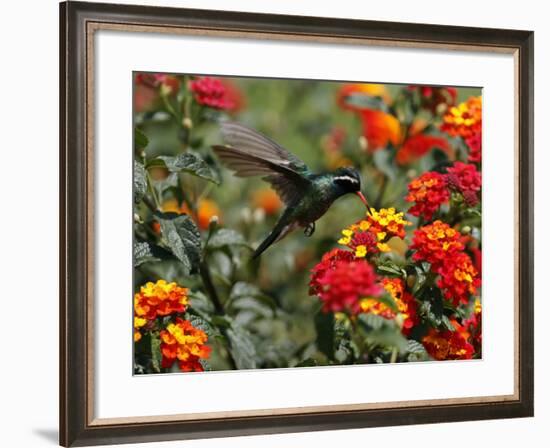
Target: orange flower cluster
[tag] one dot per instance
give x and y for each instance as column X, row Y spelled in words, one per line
column 458, row 279
column 442, row 246
column 428, row 192
column 463, row 120
column 446, row 344
column 436, row 243
column 371, row 235
column 183, row 342
column 206, row 209
column 157, row 299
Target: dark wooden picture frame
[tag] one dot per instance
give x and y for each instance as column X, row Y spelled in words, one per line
column 78, row 22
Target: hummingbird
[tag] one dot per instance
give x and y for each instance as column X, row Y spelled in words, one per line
column 306, row 195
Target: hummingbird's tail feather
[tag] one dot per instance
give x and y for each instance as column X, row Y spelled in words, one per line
column 277, row 234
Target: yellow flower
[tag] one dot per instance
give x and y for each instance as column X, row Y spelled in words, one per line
column 361, row 251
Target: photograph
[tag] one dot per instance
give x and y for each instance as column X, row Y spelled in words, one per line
column 301, row 223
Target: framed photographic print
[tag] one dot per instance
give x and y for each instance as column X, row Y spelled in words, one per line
column 276, row 224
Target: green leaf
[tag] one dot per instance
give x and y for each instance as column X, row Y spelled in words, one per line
column 140, row 139
column 252, row 304
column 204, row 325
column 246, row 290
column 156, row 355
column 142, row 254
column 384, row 162
column 242, row 348
column 390, row 268
column 415, row 347
column 416, row 351
column 225, row 238
column 183, row 238
column 324, row 324
column 309, row 362
column 371, row 321
column 140, row 182
column 199, row 302
column 366, row 102
column 190, row 163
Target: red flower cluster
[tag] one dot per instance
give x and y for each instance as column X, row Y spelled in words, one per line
column 214, row 93
column 446, row 344
column 327, row 263
column 442, row 246
column 182, row 341
column 428, row 192
column 466, row 179
column 473, row 325
column 342, row 287
column 474, row 144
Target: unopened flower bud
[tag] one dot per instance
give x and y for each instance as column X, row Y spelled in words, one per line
column 187, row 123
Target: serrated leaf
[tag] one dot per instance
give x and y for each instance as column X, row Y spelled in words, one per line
column 140, row 139
column 204, row 325
column 226, row 237
column 183, row 239
column 242, row 348
column 415, row 347
column 190, row 163
column 140, row 181
column 142, row 254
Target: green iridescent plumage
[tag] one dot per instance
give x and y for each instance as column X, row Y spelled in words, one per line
column 307, row 196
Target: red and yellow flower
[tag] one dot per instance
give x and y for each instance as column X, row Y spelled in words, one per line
column 463, row 120
column 436, row 243
column 183, row 342
column 428, row 192
column 159, row 299
column 370, row 235
column 458, row 279
column 446, row 344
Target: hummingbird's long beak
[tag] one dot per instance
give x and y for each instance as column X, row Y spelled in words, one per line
column 364, row 200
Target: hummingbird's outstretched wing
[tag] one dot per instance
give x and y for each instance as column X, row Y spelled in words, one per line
column 250, row 153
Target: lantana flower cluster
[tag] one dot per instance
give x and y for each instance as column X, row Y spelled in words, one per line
column 371, row 235
column 443, row 247
column 213, row 92
column 431, row 190
column 183, row 342
column 180, row 340
column 346, row 281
